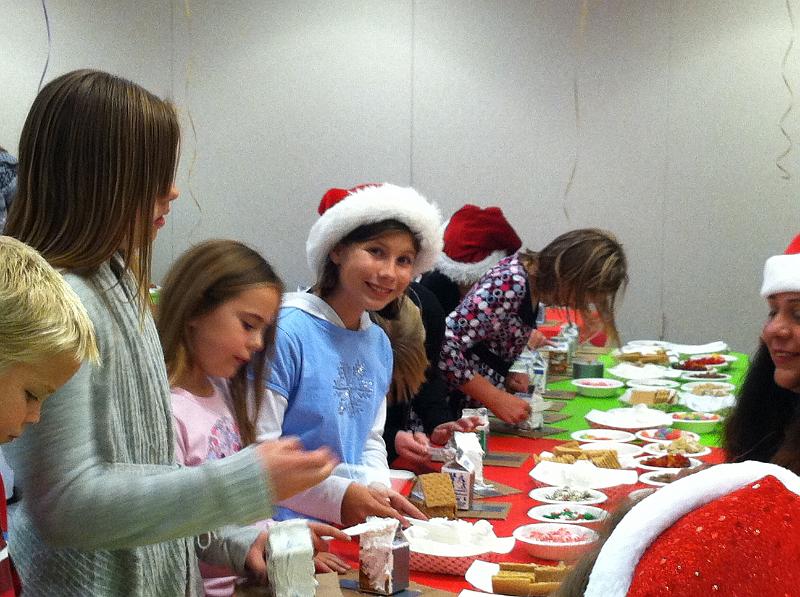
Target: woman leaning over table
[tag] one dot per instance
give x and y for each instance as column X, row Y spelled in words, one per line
column 490, row 328
column 764, row 424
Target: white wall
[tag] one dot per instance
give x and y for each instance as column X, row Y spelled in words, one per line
column 469, row 101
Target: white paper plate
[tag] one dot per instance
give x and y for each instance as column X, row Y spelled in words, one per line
column 480, row 574
column 540, row 495
column 660, row 448
column 602, row 435
column 631, row 419
column 651, row 384
column 691, row 376
column 468, row 593
column 649, row 343
column 626, row 371
column 647, row 478
column 646, row 436
column 540, row 513
column 693, row 463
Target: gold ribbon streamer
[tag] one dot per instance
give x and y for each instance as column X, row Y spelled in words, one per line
column 581, row 38
column 784, row 172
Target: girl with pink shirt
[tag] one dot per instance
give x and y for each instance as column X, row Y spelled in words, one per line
column 217, row 311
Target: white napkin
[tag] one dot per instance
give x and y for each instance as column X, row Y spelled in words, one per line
column 581, row 475
column 648, row 371
column 690, row 349
column 635, row 417
column 706, row 404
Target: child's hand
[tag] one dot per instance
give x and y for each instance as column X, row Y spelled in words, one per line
column 255, row 562
column 442, row 433
column 361, row 501
column 412, row 446
column 292, row 469
column 320, row 530
column 326, row 561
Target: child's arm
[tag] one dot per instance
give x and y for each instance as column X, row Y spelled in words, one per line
column 228, row 546
column 323, row 501
column 374, row 456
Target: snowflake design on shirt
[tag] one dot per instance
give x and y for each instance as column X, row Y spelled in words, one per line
column 223, row 439
column 353, row 388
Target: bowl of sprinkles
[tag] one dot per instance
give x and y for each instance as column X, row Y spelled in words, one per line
column 573, row 514
column 556, row 541
column 568, row 495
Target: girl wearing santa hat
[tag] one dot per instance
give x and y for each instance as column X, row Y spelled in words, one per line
column 333, row 366
column 489, row 329
column 765, row 423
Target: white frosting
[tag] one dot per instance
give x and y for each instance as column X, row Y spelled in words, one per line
column 290, row 562
column 375, row 553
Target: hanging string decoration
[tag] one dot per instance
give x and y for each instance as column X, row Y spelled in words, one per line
column 49, row 44
column 790, row 144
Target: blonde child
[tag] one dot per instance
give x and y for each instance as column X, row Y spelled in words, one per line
column 45, row 333
column 333, row 366
column 216, row 316
column 105, row 508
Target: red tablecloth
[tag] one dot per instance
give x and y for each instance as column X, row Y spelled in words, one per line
column 520, row 504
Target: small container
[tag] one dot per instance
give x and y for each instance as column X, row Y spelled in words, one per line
column 537, row 375
column 582, row 369
column 559, row 359
column 575, row 540
column 463, row 483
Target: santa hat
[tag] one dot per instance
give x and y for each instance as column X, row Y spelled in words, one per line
column 474, row 240
column 782, row 272
column 343, row 210
column 733, row 529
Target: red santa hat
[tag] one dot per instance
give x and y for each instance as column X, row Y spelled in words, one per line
column 730, row 530
column 782, row 272
column 343, row 210
column 474, row 240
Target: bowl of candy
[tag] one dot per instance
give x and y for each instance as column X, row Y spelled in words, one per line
column 556, row 541
column 597, row 387
column 573, row 514
column 665, row 435
column 696, row 421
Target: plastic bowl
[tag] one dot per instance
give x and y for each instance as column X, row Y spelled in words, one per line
column 541, row 513
column 621, row 449
column 708, row 423
column 578, row 541
column 597, row 387
column 723, row 387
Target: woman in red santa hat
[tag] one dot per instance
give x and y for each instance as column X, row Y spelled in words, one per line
column 765, row 423
column 732, row 530
column 581, row 269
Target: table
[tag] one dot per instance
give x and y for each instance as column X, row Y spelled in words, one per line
column 519, row 478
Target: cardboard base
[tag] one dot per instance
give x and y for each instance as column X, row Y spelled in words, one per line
column 347, row 584
column 501, row 428
column 554, row 405
column 550, row 417
column 486, row 510
column 507, row 459
column 498, row 489
column 560, row 394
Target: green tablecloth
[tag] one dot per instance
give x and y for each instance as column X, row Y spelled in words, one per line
column 580, row 405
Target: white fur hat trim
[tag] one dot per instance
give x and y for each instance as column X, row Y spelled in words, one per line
column 781, row 274
column 374, row 204
column 467, row 273
column 617, row 561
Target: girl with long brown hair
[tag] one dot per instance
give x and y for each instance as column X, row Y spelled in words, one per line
column 581, row 269
column 105, row 508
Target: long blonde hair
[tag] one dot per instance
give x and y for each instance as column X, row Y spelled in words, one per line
column 203, row 278
column 95, row 153
column 40, row 315
column 580, row 268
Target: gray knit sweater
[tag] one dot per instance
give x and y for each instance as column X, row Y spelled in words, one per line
column 105, row 511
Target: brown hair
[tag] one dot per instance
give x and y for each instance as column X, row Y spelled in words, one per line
column 330, row 272
column 202, row 279
column 406, row 334
column 580, row 268
column 95, row 153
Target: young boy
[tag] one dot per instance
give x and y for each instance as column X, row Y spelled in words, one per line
column 45, row 334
